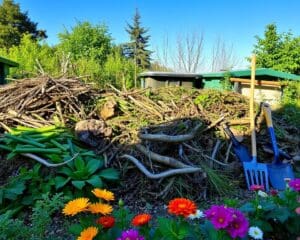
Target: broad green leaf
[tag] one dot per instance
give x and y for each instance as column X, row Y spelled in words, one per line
column 79, row 163
column 16, row 187
column 28, row 200
column 110, row 174
column 61, row 181
column 281, row 214
column 66, row 171
column 75, row 229
column 1, row 196
column 78, row 184
column 93, row 165
column 247, row 207
column 95, row 181
column 81, row 175
column 166, row 228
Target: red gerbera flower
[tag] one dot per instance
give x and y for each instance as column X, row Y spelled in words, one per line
column 106, row 221
column 141, row 219
column 182, row 207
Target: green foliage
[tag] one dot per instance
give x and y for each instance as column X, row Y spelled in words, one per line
column 226, row 83
column 14, row 23
column 118, row 70
column 290, row 103
column 33, row 57
column 280, row 51
column 40, row 220
column 86, row 41
column 139, row 42
column 25, row 188
column 275, row 215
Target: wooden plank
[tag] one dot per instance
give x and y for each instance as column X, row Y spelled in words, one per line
column 258, row 82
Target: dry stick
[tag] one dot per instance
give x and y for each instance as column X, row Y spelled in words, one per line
column 164, row 174
column 213, row 124
column 45, row 162
column 228, row 152
column 215, row 151
column 28, row 119
column 160, row 158
column 169, row 138
column 204, row 155
column 150, row 109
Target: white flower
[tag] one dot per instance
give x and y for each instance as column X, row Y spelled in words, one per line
column 262, row 194
column 255, row 232
column 259, row 207
column 197, row 214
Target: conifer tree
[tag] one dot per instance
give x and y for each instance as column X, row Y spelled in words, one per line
column 14, row 24
column 136, row 49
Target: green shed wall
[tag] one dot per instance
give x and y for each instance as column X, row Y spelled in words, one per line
column 212, row 84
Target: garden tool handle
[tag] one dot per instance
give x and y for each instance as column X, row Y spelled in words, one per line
column 252, row 120
column 268, row 115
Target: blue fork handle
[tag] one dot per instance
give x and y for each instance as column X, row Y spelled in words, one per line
column 268, row 116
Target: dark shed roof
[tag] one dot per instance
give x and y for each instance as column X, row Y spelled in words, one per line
column 8, row 62
column 170, row 74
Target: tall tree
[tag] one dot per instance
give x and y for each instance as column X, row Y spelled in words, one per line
column 280, row 51
column 14, row 24
column 139, row 42
column 86, row 41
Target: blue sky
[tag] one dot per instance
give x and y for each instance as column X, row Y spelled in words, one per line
column 236, row 22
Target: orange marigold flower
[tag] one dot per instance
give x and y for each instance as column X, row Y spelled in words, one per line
column 182, row 207
column 141, row 219
column 104, row 194
column 102, row 208
column 75, row 206
column 106, row 221
column 88, row 233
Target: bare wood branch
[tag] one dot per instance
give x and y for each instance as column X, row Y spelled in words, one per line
column 164, row 174
column 161, row 159
column 45, row 162
column 169, row 138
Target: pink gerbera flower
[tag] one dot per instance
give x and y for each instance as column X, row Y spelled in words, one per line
column 131, row 234
column 239, row 225
column 220, row 216
column 295, row 184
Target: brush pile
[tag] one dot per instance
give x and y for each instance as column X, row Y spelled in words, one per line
column 34, row 102
column 171, row 136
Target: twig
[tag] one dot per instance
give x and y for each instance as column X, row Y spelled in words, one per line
column 45, row 162
column 164, row 174
column 215, row 151
column 228, row 152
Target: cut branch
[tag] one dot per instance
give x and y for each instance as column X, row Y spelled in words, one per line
column 170, row 138
column 164, row 174
column 160, row 158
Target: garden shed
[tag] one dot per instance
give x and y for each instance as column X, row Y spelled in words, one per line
column 161, row 79
column 5, row 64
column 268, row 85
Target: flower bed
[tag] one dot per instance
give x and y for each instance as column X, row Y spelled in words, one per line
column 273, row 215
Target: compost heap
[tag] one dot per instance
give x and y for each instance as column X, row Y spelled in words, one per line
column 165, row 142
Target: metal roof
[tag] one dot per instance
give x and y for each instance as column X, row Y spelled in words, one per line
column 8, row 62
column 259, row 72
column 170, row 74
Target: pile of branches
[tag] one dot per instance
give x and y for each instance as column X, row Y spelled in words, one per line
column 34, row 102
column 170, row 134
column 167, row 141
